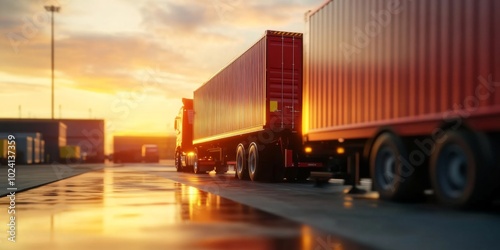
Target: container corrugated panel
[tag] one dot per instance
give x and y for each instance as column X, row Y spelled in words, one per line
column 260, row 89
column 379, row 62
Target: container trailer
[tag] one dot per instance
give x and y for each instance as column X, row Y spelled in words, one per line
column 411, row 89
column 248, row 115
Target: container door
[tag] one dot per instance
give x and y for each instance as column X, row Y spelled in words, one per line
column 284, row 78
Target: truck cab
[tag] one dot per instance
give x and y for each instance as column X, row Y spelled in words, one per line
column 183, row 125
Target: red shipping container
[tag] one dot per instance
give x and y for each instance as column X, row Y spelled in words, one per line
column 406, row 64
column 261, row 89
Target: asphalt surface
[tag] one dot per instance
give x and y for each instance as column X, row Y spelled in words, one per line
column 140, row 206
column 126, row 207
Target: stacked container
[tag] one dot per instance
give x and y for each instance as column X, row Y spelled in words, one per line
column 42, row 151
column 24, row 148
column 37, row 137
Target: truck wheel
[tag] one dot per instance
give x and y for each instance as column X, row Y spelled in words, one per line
column 256, row 169
column 241, row 162
column 393, row 177
column 461, row 169
column 178, row 162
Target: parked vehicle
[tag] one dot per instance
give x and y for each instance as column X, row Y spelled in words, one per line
column 150, row 153
column 410, row 89
column 248, row 115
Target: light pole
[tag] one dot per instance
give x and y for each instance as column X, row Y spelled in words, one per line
column 52, row 9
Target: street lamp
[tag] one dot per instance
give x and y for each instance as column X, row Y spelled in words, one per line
column 52, row 9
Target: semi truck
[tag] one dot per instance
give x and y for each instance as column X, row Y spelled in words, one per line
column 405, row 92
column 248, row 116
column 410, row 92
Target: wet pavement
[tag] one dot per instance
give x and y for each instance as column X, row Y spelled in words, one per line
column 151, row 206
column 32, row 176
column 135, row 208
column 362, row 218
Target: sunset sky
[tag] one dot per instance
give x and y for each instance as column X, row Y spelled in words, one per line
column 128, row 62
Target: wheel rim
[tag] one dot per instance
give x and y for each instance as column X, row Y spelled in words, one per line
column 386, row 167
column 452, row 171
column 195, row 164
column 252, row 160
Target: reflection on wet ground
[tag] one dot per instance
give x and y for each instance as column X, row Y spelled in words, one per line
column 119, row 209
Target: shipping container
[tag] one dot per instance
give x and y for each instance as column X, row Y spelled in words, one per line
column 88, row 134
column 70, row 153
column 37, row 137
column 53, row 131
column 260, row 89
column 42, row 151
column 406, row 83
column 248, row 113
column 24, row 149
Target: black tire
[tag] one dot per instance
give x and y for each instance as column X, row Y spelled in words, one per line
column 241, row 162
column 392, row 174
column 253, row 164
column 256, row 168
column 462, row 169
column 178, row 161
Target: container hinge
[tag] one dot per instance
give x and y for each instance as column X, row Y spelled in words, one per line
column 293, row 110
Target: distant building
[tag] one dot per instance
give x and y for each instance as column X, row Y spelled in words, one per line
column 87, row 134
